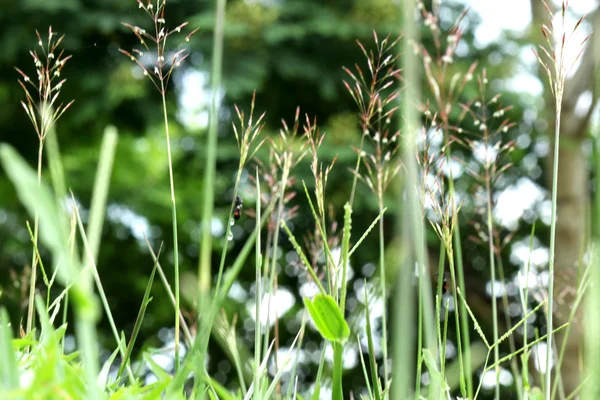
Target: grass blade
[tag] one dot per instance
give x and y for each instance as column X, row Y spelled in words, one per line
column 101, row 185
column 9, row 372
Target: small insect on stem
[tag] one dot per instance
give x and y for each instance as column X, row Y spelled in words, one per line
column 445, row 280
column 237, row 211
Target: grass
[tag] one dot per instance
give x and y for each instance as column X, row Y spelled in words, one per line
column 397, row 154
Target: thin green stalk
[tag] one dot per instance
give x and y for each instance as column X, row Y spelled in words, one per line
column 34, row 258
column 549, row 320
column 228, row 227
column 439, row 299
column 287, row 165
column 464, row 320
column 419, row 342
column 101, row 292
column 459, row 345
column 583, row 285
column 511, row 340
column 204, row 264
column 525, row 303
column 174, row 220
column 492, row 260
column 338, row 350
column 204, row 267
column 383, row 288
column 198, row 349
column 257, row 299
column 163, row 277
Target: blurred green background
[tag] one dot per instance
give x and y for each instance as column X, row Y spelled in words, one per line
column 291, row 52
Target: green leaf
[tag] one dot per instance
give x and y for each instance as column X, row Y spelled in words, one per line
column 8, row 364
column 328, row 318
column 371, row 346
column 38, row 198
column 221, row 390
column 435, row 376
column 103, row 376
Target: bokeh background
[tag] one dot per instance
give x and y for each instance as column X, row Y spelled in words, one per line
column 291, row 52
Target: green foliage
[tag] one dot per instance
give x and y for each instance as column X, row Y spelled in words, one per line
column 8, row 366
column 291, row 54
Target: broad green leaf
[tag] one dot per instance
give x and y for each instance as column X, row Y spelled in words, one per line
column 328, row 318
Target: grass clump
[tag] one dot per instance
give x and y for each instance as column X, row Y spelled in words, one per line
column 406, row 155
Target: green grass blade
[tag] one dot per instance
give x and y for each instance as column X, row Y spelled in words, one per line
column 204, row 266
column 371, row 347
column 37, row 198
column 366, row 233
column 514, row 328
column 104, row 371
column 101, row 185
column 220, row 390
column 140, row 317
column 198, row 349
column 101, row 292
column 475, row 323
column 364, row 370
column 317, row 391
column 523, row 348
column 9, row 372
column 319, row 226
column 277, row 377
column 303, row 258
column 258, row 378
column 345, row 256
